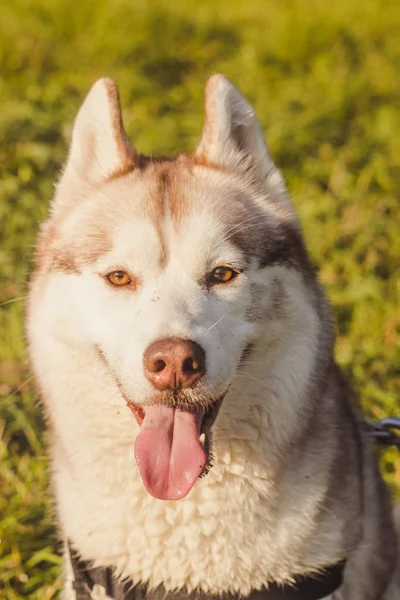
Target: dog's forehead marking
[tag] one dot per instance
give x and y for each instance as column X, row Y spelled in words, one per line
column 180, row 210
column 171, row 195
column 193, row 227
column 183, row 198
column 194, row 245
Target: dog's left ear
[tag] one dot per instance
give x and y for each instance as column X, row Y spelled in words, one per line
column 100, row 148
column 232, row 136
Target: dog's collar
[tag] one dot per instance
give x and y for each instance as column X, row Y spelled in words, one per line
column 100, row 584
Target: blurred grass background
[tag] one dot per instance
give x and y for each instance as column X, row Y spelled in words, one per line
column 324, row 79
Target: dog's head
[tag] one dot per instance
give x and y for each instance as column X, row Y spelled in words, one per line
column 170, row 269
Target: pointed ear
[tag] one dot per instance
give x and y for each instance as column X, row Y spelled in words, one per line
column 100, row 147
column 232, row 136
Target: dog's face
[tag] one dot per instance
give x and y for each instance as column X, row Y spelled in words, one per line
column 169, row 269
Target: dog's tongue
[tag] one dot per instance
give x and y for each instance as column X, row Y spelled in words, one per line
column 168, row 452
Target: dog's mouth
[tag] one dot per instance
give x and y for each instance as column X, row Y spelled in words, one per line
column 172, row 448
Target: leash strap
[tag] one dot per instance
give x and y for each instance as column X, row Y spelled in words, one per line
column 385, row 432
column 100, row 584
column 90, row 583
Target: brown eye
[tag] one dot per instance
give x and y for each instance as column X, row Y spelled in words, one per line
column 119, row 278
column 222, row 275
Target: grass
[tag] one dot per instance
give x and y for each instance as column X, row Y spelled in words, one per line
column 324, row 80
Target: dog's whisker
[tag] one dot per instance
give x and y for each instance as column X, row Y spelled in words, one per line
column 251, row 362
column 216, row 323
column 12, row 300
column 21, row 387
column 237, row 226
column 242, row 229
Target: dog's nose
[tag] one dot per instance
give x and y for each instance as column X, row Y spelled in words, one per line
column 174, row 363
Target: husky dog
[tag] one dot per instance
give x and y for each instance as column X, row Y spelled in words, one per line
column 202, row 437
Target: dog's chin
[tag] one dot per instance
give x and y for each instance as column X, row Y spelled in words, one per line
column 184, row 425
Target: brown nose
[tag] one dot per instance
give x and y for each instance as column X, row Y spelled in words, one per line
column 174, row 363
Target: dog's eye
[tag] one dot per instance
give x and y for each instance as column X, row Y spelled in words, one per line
column 119, row 278
column 222, row 275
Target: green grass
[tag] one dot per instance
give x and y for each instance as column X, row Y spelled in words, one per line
column 323, row 78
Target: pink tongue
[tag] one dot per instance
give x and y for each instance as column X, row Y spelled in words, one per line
column 168, row 452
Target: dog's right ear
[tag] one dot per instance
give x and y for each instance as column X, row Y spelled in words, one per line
column 233, row 140
column 100, row 148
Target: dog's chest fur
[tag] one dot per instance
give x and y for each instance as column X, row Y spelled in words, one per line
column 246, row 522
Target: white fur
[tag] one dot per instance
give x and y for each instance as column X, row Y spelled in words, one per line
column 231, row 532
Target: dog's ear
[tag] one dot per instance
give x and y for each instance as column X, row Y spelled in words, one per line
column 100, row 147
column 232, row 136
